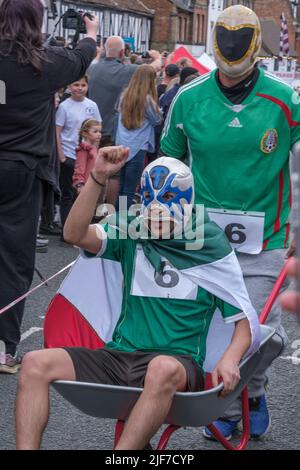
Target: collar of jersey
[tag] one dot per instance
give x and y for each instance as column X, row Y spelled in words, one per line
column 249, row 98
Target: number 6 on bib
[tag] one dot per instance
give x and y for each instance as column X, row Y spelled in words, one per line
column 244, row 230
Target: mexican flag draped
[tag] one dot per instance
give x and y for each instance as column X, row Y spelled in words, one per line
column 87, row 306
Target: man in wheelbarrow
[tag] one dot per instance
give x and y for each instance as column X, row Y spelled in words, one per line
column 178, row 269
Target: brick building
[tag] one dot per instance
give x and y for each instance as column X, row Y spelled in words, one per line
column 272, row 9
column 167, row 24
column 179, row 22
column 269, row 12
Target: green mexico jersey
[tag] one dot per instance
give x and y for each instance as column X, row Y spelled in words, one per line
column 239, row 154
column 161, row 312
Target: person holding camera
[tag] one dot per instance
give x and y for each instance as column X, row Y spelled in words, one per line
column 107, row 80
column 30, row 74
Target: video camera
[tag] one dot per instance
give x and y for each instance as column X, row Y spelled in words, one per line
column 73, row 19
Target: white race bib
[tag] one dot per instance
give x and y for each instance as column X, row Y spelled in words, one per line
column 171, row 284
column 244, row 230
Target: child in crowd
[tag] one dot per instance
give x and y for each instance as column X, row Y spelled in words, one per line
column 69, row 117
column 86, row 152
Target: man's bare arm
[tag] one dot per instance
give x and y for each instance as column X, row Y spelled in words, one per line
column 228, row 366
column 77, row 229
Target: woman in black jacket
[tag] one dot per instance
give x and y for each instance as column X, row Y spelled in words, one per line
column 29, row 77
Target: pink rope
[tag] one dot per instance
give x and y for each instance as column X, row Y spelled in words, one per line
column 31, row 291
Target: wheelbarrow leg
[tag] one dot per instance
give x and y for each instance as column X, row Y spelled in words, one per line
column 118, row 431
column 246, row 427
column 166, row 437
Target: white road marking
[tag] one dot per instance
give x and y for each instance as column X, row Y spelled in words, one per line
column 295, row 360
column 42, row 317
column 30, row 332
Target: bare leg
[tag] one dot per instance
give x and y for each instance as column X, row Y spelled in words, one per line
column 165, row 376
column 39, row 369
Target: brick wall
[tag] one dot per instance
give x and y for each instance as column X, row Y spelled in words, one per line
column 273, row 9
column 164, row 25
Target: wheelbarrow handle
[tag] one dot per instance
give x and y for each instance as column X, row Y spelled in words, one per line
column 274, row 294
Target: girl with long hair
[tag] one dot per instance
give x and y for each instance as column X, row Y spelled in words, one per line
column 139, row 114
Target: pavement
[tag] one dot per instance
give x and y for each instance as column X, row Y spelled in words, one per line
column 69, row 429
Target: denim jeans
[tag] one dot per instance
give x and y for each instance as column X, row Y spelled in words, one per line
column 130, row 176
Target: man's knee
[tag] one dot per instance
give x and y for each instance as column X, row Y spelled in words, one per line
column 33, row 368
column 165, row 372
column 43, row 366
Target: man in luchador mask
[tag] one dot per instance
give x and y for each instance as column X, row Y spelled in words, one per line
column 178, row 269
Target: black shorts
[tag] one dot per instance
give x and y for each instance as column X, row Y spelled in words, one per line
column 110, row 367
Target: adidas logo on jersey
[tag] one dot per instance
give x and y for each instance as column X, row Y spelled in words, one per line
column 235, row 123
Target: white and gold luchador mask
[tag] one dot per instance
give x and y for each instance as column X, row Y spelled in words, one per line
column 236, row 40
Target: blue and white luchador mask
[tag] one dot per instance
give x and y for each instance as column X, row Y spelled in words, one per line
column 167, row 192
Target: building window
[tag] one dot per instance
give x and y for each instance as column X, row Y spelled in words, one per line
column 246, row 3
column 203, row 29
column 182, row 29
column 106, row 29
column 199, row 29
column 276, row 65
column 185, row 32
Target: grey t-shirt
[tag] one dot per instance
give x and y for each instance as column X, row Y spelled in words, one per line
column 108, row 78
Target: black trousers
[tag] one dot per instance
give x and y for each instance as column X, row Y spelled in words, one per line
column 20, row 196
column 47, row 214
column 68, row 193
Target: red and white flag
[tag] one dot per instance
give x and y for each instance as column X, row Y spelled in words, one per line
column 87, row 306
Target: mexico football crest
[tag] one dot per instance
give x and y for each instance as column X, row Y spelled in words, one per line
column 269, row 142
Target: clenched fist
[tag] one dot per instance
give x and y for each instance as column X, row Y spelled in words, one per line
column 109, row 161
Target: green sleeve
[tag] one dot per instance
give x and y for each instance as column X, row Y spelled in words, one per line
column 229, row 313
column 111, row 244
column 173, row 141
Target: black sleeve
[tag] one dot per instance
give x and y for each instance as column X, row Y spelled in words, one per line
column 65, row 66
